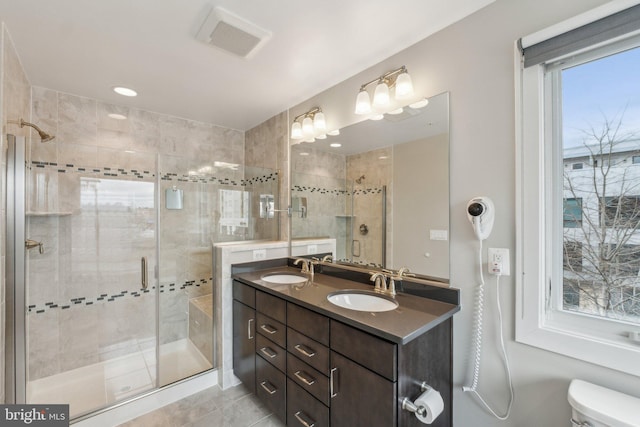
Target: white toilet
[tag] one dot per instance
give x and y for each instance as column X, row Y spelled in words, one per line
column 595, row 406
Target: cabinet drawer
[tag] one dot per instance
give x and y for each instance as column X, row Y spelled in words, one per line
column 369, row 351
column 313, row 325
column 245, row 294
column 271, row 388
column 273, row 307
column 303, row 410
column 308, row 378
column 272, row 329
column 271, row 352
column 308, row 350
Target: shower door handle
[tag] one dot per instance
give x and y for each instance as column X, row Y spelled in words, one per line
column 144, row 274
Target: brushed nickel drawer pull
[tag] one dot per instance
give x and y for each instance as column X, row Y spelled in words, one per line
column 332, row 383
column 268, row 352
column 301, row 420
column 269, row 388
column 305, row 378
column 249, row 322
column 268, row 329
column 305, row 350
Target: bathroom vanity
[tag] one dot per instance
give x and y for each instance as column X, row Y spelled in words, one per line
column 315, row 363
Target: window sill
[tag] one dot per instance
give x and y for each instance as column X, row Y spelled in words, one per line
column 620, row 356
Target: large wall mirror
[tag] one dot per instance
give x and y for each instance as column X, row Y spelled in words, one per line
column 383, row 193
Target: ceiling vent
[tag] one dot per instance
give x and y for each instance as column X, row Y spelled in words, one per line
column 232, row 33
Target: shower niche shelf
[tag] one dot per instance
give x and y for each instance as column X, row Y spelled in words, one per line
column 44, row 214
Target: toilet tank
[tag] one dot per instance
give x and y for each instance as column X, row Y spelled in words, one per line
column 601, row 406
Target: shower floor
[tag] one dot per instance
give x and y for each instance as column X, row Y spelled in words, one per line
column 99, row 385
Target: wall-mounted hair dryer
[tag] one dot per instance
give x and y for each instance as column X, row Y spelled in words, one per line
column 481, row 213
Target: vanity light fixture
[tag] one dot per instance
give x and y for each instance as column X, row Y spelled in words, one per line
column 398, row 79
column 313, row 125
column 334, row 132
column 336, row 145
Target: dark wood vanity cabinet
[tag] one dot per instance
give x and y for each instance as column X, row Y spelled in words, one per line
column 244, row 333
column 311, row 370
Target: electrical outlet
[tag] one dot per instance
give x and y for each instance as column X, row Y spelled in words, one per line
column 498, row 261
column 312, row 249
column 259, row 254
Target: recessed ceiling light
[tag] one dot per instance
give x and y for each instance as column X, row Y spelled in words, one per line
column 383, row 157
column 117, row 116
column 304, row 153
column 125, row 91
column 336, row 145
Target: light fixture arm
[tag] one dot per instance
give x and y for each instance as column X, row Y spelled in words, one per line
column 309, row 113
column 386, row 78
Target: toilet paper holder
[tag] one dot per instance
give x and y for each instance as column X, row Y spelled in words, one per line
column 408, row 405
column 425, row 415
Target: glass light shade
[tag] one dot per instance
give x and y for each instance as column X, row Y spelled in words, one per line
column 307, row 127
column 419, row 104
column 363, row 102
column 396, row 111
column 404, row 86
column 381, row 95
column 124, row 91
column 319, row 124
column 296, row 131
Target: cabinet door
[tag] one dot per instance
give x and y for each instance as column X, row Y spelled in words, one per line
column 360, row 397
column 244, row 347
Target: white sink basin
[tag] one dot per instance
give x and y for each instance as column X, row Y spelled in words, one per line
column 284, row 278
column 362, row 301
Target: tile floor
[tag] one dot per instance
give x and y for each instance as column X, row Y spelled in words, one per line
column 235, row 407
column 101, row 384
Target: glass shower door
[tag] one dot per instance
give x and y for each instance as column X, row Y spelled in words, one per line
column 90, row 292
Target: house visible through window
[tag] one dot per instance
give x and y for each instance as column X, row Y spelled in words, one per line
column 580, row 192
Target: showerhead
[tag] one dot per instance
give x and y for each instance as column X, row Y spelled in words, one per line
column 44, row 136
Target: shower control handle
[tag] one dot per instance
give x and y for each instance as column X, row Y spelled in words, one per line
column 30, row 244
column 144, row 274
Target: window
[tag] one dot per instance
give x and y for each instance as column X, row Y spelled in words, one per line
column 579, row 227
column 572, row 212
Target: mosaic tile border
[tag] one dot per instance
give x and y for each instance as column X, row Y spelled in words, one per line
column 105, row 298
column 337, row 192
column 145, row 174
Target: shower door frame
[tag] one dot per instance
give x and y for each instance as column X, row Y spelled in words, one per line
column 15, row 330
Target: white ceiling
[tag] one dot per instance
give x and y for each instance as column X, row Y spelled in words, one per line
column 85, row 47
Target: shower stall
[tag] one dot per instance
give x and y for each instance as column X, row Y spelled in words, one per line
column 110, row 291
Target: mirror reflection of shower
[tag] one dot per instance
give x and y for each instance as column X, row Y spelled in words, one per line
column 44, row 136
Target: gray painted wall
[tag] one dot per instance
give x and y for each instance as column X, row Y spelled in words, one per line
column 474, row 60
